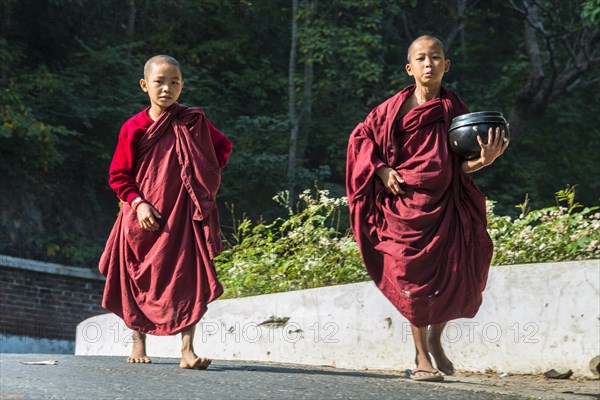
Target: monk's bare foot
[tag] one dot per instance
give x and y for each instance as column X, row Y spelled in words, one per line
column 437, row 351
column 138, row 354
column 425, row 371
column 189, row 360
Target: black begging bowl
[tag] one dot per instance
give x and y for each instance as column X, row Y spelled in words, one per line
column 465, row 128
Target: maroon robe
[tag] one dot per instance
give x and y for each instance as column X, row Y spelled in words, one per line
column 161, row 282
column 427, row 250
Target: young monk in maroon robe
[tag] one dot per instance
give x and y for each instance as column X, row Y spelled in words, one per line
column 158, row 260
column 417, row 216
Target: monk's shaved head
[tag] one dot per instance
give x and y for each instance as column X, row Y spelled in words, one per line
column 160, row 59
column 426, row 37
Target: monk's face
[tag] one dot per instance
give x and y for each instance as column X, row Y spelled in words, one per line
column 427, row 62
column 163, row 83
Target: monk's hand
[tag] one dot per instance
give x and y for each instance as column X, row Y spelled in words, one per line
column 148, row 216
column 496, row 145
column 391, row 179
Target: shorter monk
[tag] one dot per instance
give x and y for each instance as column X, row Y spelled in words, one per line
column 158, row 260
column 417, row 216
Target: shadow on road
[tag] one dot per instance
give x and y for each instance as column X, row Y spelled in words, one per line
column 305, row 371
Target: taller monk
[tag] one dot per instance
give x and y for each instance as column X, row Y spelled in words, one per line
column 158, row 260
column 417, row 216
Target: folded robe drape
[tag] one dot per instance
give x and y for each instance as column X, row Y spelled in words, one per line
column 161, row 282
column 427, row 250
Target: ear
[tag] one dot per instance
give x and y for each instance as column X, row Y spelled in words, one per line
column 182, row 85
column 409, row 70
column 144, row 85
column 447, row 66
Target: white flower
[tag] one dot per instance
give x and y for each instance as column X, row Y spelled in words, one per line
column 324, row 241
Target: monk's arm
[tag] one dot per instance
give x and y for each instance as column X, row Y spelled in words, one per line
column 121, row 178
column 472, row 166
column 221, row 144
column 495, row 147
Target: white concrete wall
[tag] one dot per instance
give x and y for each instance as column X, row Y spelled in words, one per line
column 534, row 317
column 49, row 268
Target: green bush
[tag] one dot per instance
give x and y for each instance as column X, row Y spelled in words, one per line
column 555, row 233
column 304, row 251
column 307, row 249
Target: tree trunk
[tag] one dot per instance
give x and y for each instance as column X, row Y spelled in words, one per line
column 526, row 100
column 130, row 26
column 459, row 19
column 306, row 115
column 292, row 105
column 582, row 56
column 6, row 12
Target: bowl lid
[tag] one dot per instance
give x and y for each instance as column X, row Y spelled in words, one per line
column 477, row 117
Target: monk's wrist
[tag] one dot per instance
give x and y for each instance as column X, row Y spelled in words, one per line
column 380, row 170
column 136, row 202
column 473, row 165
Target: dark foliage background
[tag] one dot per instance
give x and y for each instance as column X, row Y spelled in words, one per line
column 70, row 72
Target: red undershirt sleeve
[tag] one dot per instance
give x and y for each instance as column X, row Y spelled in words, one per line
column 221, row 143
column 121, row 176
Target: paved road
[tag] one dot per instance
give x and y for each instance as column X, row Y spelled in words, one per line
column 91, row 377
